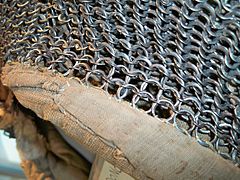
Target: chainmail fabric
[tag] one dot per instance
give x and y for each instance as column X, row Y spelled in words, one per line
column 177, row 60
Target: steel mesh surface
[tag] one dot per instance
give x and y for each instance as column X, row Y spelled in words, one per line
column 177, row 60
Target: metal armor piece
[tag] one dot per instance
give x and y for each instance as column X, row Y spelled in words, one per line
column 177, row 60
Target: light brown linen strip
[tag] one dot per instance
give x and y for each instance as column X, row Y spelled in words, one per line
column 135, row 142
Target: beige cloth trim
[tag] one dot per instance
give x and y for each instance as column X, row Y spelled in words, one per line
column 138, row 144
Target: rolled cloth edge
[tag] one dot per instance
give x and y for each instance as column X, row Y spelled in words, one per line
column 128, row 138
